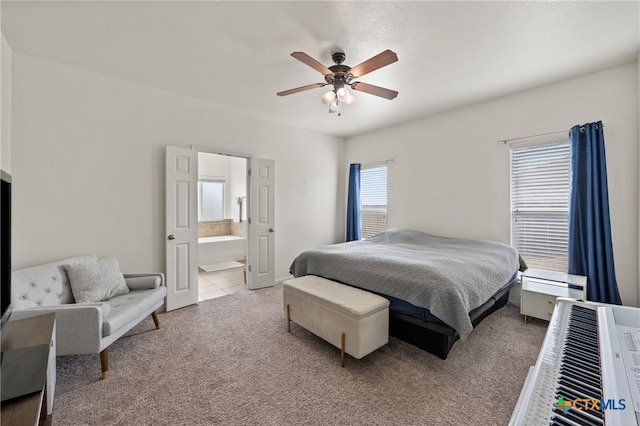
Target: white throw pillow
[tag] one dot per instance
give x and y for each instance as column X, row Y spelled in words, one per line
column 96, row 281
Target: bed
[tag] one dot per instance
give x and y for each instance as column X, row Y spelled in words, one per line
column 439, row 288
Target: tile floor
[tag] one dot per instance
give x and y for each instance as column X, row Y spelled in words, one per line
column 220, row 283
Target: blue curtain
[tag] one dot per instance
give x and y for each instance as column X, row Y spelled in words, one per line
column 353, row 204
column 590, row 247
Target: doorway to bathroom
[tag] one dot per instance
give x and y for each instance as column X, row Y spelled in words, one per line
column 222, row 225
column 182, row 226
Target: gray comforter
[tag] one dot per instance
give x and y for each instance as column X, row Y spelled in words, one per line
column 448, row 276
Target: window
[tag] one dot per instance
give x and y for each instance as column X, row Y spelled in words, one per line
column 373, row 200
column 210, row 200
column 540, row 204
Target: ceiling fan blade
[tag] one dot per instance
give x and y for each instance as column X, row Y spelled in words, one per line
column 301, row 89
column 374, row 90
column 380, row 60
column 303, row 57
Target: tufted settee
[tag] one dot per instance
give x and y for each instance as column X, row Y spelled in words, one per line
column 85, row 328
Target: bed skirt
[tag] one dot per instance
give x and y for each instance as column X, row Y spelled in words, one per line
column 438, row 339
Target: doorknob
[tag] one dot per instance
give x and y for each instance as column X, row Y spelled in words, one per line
column 270, row 229
column 171, row 237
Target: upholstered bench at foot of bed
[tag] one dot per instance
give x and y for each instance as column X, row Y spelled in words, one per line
column 353, row 320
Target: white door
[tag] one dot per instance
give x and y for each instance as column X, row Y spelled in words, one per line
column 181, row 227
column 261, row 261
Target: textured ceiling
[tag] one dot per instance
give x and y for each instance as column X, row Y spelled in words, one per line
column 236, row 54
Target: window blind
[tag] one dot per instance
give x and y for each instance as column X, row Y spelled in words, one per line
column 540, row 204
column 373, row 200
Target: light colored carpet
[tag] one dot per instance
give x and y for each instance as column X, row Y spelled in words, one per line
column 221, row 266
column 230, row 361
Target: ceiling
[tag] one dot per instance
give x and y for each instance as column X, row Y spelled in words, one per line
column 236, row 54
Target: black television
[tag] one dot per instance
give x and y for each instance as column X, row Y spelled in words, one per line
column 5, row 247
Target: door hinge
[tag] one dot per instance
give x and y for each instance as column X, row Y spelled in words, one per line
column 249, row 220
column 249, row 172
column 249, row 268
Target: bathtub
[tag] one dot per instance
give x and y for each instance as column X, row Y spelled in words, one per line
column 223, row 248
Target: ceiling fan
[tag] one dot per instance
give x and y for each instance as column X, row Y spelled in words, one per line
column 341, row 76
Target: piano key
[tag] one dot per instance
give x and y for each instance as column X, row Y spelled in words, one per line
column 572, row 348
column 579, row 360
column 580, row 417
column 569, row 365
column 582, row 375
column 559, row 421
column 581, row 366
column 576, row 388
column 580, row 386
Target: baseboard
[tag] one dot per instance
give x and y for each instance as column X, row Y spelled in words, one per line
column 281, row 280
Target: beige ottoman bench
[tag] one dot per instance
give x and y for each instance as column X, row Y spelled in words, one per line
column 353, row 320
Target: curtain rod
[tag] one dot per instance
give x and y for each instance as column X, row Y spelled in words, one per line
column 504, row 141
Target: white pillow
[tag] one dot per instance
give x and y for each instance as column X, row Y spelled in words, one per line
column 96, row 281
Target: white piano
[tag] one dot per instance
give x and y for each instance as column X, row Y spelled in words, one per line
column 588, row 370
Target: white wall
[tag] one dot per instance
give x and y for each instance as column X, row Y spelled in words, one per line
column 231, row 170
column 451, row 177
column 5, row 106
column 88, row 167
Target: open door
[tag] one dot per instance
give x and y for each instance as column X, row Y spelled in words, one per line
column 261, row 232
column 181, row 227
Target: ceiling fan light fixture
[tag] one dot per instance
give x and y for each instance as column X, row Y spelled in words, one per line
column 342, row 76
column 342, row 93
column 348, row 99
column 328, row 97
column 334, row 106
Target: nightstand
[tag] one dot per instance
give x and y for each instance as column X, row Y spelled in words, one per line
column 540, row 289
column 20, row 334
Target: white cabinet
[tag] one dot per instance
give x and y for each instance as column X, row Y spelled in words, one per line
column 540, row 289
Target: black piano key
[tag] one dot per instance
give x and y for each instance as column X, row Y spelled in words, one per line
column 576, row 317
column 584, row 348
column 585, row 318
column 579, row 363
column 582, row 326
column 578, row 388
column 582, row 375
column 581, row 310
column 581, row 366
column 581, row 359
column 587, row 322
column 580, row 369
column 572, row 348
column 582, row 337
column 580, row 417
column 560, row 421
column 581, row 387
column 566, row 393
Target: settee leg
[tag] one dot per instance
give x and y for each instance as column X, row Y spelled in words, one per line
column 104, row 363
column 342, row 336
column 156, row 321
column 288, row 319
